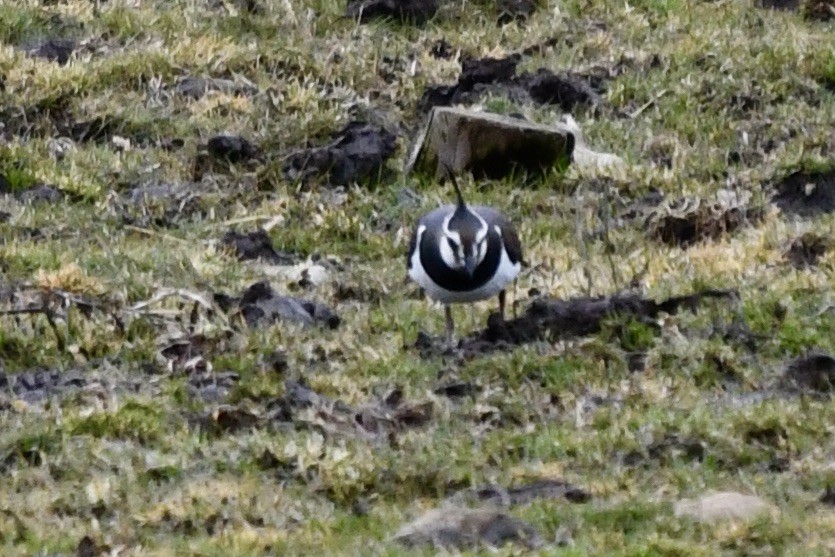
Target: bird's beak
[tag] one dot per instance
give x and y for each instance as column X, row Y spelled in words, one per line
column 469, row 265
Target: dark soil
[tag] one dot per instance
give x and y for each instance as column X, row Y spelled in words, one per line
column 442, row 50
column 815, row 372
column 567, row 90
column 255, row 245
column 783, row 5
column 358, row 153
column 806, row 194
column 232, row 148
column 55, row 50
column 552, row 319
column 521, row 495
column 665, row 450
column 806, row 250
column 498, row 76
column 487, row 70
column 819, row 10
column 828, row 497
column 515, row 10
column 704, row 222
column 416, row 12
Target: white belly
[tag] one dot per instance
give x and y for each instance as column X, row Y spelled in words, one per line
column 505, row 273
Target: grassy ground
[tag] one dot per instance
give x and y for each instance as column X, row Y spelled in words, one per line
column 742, row 97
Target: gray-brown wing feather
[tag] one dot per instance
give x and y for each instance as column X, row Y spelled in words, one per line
column 509, row 236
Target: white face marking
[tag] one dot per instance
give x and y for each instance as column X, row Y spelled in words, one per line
column 452, row 259
column 452, row 250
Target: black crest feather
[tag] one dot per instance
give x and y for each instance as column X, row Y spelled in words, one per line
column 451, row 176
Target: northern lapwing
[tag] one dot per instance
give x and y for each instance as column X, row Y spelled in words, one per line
column 461, row 254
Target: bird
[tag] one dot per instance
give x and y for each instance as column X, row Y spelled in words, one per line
column 461, row 254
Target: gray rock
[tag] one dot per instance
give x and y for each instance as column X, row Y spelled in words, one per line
column 260, row 303
column 197, row 87
column 460, row 528
column 724, row 505
column 41, row 193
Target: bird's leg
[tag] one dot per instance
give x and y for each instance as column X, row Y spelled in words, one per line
column 450, row 326
column 502, row 300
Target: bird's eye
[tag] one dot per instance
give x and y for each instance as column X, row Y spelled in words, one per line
column 452, row 245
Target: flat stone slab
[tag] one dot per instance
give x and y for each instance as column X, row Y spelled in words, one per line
column 493, row 145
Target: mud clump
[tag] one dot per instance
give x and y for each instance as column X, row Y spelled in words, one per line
column 806, row 250
column 567, row 90
column 487, row 70
column 416, row 12
column 441, row 50
column 815, row 372
column 54, row 50
column 828, row 497
column 232, row 148
column 481, row 76
column 552, row 319
column 515, row 10
column 806, row 194
column 255, row 245
column 818, row 10
column 779, row 5
column 357, row 153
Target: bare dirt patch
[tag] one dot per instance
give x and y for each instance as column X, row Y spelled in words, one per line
column 806, row 194
column 550, row 319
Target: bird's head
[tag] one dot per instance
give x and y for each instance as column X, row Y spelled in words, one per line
column 464, row 241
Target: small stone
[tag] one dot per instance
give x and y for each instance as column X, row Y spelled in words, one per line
column 726, row 505
column 41, row 193
column 255, row 245
column 197, row 87
column 233, row 148
column 54, row 50
column 461, row 528
column 120, row 144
